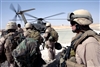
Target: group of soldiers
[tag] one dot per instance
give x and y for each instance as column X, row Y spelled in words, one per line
column 21, row 47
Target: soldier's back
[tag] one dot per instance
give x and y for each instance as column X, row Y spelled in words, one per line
column 27, row 53
column 34, row 34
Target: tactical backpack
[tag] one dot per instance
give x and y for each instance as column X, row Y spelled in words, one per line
column 11, row 43
column 36, row 35
column 54, row 34
column 27, row 54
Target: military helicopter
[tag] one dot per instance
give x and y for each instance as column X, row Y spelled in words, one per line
column 18, row 12
column 40, row 25
column 41, row 21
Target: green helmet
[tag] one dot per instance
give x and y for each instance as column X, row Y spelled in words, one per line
column 81, row 16
column 28, row 25
column 11, row 25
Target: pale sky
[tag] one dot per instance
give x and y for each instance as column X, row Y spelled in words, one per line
column 44, row 8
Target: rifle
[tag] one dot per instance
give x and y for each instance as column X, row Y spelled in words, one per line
column 66, row 53
column 64, row 56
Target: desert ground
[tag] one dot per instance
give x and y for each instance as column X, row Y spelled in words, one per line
column 65, row 35
column 95, row 26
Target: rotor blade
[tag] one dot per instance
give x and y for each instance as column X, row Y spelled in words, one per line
column 57, row 19
column 54, row 15
column 33, row 21
column 19, row 8
column 20, row 18
column 15, row 17
column 28, row 10
column 26, row 19
column 12, row 8
column 30, row 15
column 47, row 19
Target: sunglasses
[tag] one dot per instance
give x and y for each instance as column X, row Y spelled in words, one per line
column 73, row 23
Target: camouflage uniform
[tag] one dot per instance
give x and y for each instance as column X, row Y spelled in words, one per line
column 3, row 37
column 32, row 33
column 27, row 54
column 20, row 30
column 11, row 40
column 84, row 44
column 50, row 41
column 2, row 54
column 2, row 32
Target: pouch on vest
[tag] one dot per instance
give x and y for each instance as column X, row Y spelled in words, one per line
column 54, row 34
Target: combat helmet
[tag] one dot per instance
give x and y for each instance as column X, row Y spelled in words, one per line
column 81, row 16
column 28, row 25
column 48, row 24
column 11, row 25
column 48, row 31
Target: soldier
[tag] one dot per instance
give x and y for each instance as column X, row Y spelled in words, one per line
column 11, row 41
column 19, row 29
column 3, row 32
column 27, row 54
column 2, row 54
column 84, row 44
column 31, row 32
column 51, row 37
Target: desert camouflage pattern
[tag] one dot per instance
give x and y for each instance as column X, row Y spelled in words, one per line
column 83, row 59
column 51, row 37
column 34, row 34
column 10, row 44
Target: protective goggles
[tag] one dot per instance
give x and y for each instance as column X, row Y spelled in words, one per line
column 72, row 16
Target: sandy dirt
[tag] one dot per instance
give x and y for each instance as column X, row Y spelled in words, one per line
column 93, row 26
column 63, row 39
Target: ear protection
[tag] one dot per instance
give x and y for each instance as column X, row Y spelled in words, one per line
column 76, row 24
column 78, row 27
